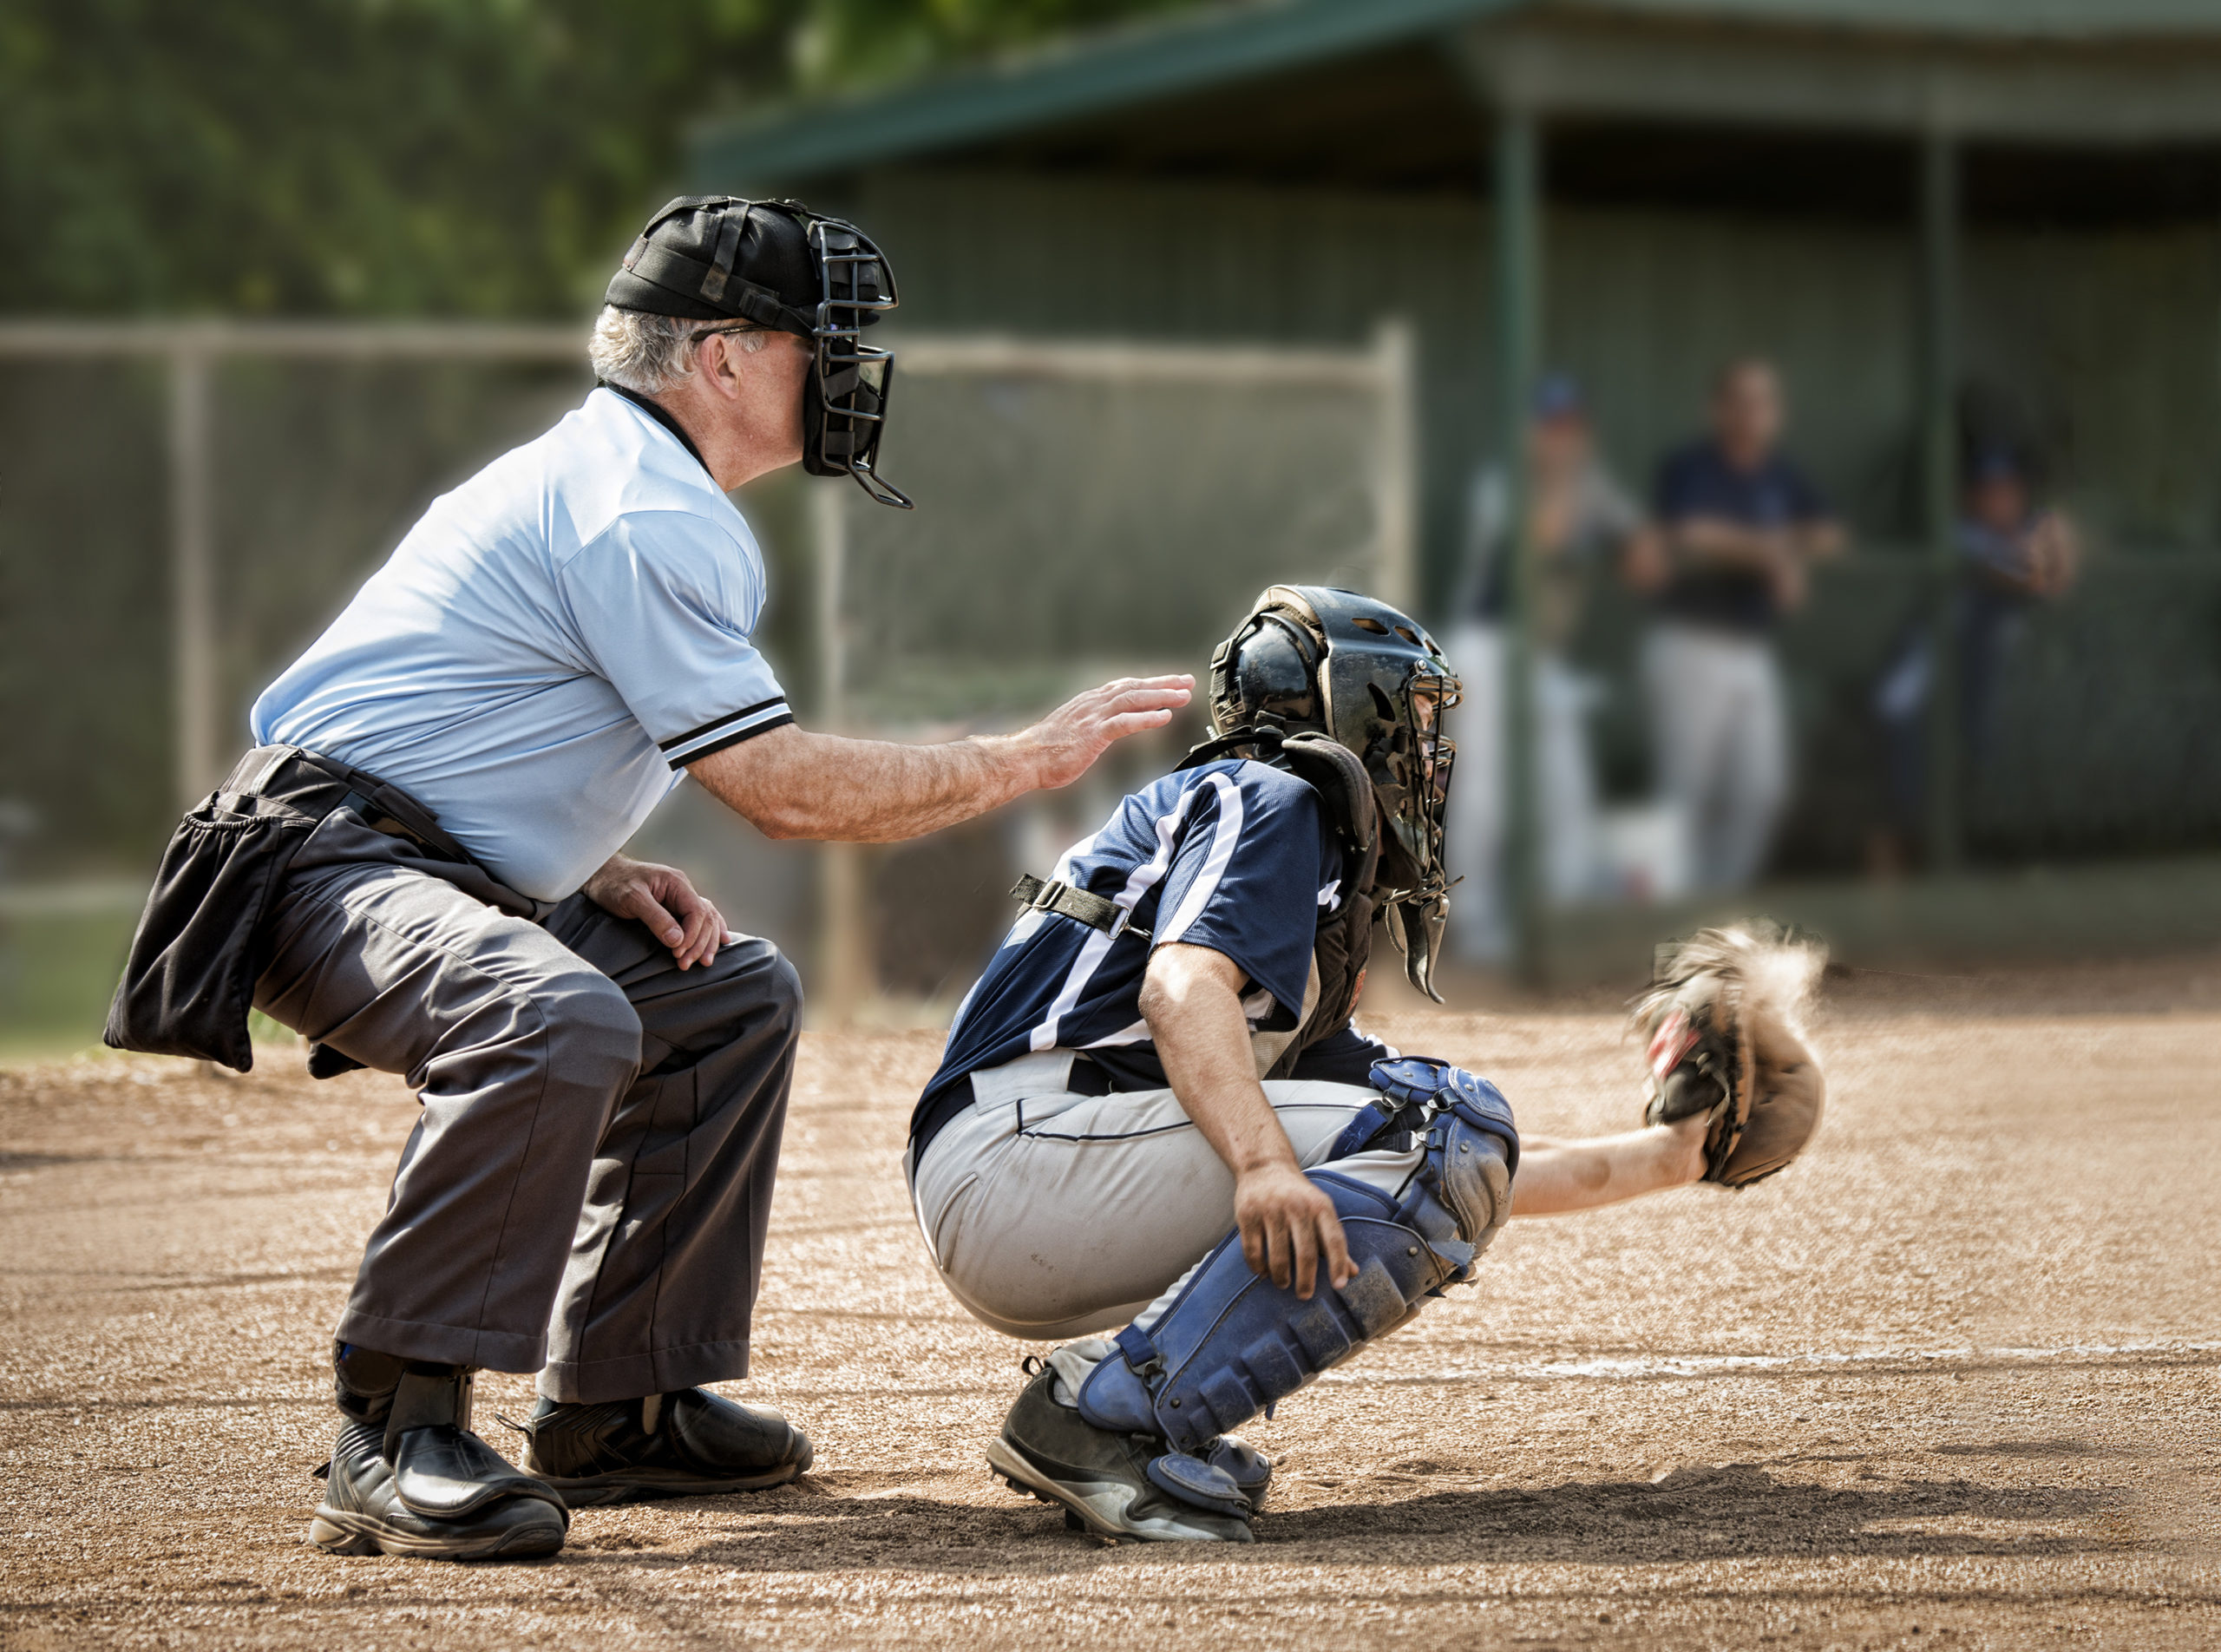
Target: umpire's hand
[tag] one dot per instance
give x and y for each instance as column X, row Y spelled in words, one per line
column 1064, row 745
column 664, row 899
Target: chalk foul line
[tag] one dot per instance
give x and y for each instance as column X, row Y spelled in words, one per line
column 1652, row 1368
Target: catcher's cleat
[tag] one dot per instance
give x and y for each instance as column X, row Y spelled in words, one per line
column 687, row 1443
column 1101, row 1478
column 407, row 1477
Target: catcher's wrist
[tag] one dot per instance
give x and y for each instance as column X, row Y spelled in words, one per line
column 1681, row 1149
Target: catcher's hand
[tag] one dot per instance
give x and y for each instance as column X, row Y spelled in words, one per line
column 1722, row 1020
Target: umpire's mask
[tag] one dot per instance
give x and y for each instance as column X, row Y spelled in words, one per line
column 776, row 264
column 1310, row 657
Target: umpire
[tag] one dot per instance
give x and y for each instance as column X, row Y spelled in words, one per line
column 417, row 867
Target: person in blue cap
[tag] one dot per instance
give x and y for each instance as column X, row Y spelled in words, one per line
column 1584, row 527
column 2014, row 554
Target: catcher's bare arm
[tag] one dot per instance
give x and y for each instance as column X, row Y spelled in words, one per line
column 795, row 783
column 1191, row 999
column 1557, row 1178
column 1735, row 1090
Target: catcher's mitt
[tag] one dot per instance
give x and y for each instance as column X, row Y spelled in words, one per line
column 1723, row 1021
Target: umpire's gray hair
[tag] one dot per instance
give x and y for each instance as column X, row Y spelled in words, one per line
column 645, row 353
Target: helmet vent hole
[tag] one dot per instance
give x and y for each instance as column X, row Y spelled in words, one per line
column 1410, row 636
column 1364, row 623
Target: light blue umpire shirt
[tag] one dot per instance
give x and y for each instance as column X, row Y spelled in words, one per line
column 547, row 650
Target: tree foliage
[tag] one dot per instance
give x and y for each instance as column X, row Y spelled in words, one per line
column 473, row 157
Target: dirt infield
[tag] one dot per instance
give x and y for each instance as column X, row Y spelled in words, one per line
column 1951, row 1381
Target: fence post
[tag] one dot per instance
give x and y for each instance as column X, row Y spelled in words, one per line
column 1939, row 370
column 1396, row 470
column 193, row 575
column 844, row 945
column 1517, row 189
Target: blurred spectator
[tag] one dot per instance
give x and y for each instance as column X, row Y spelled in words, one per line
column 2012, row 554
column 1741, row 525
column 1583, row 522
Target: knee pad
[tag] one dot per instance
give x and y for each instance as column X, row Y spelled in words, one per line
column 1234, row 1344
column 1472, row 1143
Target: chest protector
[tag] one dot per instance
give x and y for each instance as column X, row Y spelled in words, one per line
column 1342, row 945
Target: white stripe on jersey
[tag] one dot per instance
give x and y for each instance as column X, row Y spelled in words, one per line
column 1144, row 878
column 1223, row 837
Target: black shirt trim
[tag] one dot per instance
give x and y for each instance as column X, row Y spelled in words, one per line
column 718, row 722
column 734, row 738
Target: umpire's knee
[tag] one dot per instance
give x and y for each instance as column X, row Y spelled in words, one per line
column 778, row 991
column 594, row 1032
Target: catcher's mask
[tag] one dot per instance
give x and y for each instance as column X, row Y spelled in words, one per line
column 776, row 264
column 1310, row 657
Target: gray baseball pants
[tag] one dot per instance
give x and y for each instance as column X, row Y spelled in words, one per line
column 586, row 1190
column 1052, row 1215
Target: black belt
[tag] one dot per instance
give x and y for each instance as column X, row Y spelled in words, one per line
column 308, row 780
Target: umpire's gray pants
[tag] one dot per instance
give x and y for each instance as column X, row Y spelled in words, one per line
column 586, row 1190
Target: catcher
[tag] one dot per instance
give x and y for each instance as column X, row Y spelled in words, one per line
column 1153, row 1112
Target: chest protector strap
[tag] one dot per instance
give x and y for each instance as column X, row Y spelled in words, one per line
column 1343, row 943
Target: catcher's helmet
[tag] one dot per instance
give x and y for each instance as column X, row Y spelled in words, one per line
column 778, row 264
column 1309, row 657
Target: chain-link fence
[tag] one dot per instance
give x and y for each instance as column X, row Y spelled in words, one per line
column 181, row 509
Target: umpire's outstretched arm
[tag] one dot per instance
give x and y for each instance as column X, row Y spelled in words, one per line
column 792, row 783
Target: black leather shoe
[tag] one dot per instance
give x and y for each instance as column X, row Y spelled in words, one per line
column 677, row 1445
column 408, row 1478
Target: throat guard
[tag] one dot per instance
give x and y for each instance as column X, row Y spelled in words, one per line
column 1313, row 665
column 778, row 264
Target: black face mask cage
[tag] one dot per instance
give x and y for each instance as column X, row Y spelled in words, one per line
column 1361, row 673
column 1411, row 759
column 844, row 404
column 1415, row 758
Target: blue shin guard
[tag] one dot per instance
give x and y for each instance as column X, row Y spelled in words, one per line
column 1233, row 1343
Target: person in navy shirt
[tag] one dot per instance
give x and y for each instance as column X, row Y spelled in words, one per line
column 1742, row 526
column 1156, row 1110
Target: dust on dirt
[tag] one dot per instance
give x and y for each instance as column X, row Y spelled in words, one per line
column 1951, row 1381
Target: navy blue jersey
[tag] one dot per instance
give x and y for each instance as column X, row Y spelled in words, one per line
column 1233, row 856
column 1698, row 480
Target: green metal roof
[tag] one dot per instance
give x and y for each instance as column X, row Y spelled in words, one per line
column 1099, row 74
column 2010, row 19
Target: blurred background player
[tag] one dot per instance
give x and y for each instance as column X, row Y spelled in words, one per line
column 2014, row 554
column 1155, row 1112
column 1583, row 526
column 1742, row 528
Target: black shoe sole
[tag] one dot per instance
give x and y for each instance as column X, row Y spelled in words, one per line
column 641, row 1486
column 339, row 1532
column 1012, row 1464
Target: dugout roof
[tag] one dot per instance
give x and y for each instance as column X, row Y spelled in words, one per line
column 1645, row 98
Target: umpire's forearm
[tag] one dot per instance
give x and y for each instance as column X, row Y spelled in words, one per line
column 790, row 782
column 1563, row 1177
column 795, row 783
